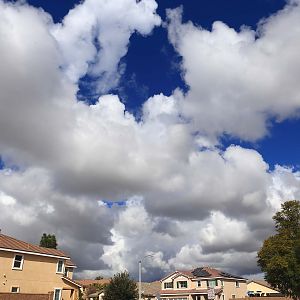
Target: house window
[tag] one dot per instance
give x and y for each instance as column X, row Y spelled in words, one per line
column 66, row 272
column 199, row 283
column 181, row 284
column 223, row 297
column 168, row 285
column 57, row 294
column 212, row 283
column 232, row 296
column 15, row 289
column 18, row 262
column 222, row 283
column 60, row 266
column 237, row 284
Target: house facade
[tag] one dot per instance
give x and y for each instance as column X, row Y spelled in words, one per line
column 203, row 283
column 29, row 269
column 260, row 288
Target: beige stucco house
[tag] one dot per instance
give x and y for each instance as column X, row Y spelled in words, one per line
column 30, row 269
column 261, row 288
column 202, row 284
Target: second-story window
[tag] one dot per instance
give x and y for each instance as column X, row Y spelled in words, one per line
column 181, row 284
column 168, row 285
column 212, row 283
column 199, row 283
column 18, row 262
column 237, row 284
column 60, row 266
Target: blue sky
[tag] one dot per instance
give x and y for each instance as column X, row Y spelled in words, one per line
column 184, row 113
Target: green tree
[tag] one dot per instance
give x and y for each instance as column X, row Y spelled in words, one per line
column 99, row 277
column 48, row 241
column 121, row 287
column 279, row 257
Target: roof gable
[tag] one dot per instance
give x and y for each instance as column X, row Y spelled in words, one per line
column 263, row 283
column 8, row 243
column 203, row 272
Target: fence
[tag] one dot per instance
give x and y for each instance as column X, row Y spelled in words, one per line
column 20, row 296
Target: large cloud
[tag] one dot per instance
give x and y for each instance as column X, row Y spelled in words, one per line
column 239, row 80
column 63, row 157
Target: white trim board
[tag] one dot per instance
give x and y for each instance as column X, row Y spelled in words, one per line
column 33, row 253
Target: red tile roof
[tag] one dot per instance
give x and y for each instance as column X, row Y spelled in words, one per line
column 9, row 243
column 203, row 272
column 263, row 283
column 87, row 282
column 70, row 264
column 151, row 288
column 208, row 272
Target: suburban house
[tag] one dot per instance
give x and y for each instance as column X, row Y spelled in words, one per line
column 260, row 288
column 29, row 269
column 203, row 283
column 93, row 288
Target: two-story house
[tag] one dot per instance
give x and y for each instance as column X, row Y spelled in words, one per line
column 30, row 269
column 202, row 284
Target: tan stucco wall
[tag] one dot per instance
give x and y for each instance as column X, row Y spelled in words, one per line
column 255, row 287
column 230, row 289
column 38, row 274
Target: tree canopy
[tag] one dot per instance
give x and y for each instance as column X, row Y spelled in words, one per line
column 48, row 241
column 279, row 257
column 121, row 287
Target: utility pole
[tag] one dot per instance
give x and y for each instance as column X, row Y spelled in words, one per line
column 140, row 280
column 140, row 275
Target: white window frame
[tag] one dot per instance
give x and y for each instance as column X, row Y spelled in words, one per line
column 179, row 286
column 17, row 287
column 22, row 261
column 63, row 267
column 60, row 293
column 212, row 283
column 171, row 283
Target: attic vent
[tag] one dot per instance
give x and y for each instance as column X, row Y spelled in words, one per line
column 200, row 272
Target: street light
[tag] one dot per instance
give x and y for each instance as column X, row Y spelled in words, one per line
column 140, row 275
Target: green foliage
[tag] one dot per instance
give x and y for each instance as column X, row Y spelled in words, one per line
column 48, row 241
column 80, row 295
column 121, row 287
column 279, row 257
column 99, row 277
